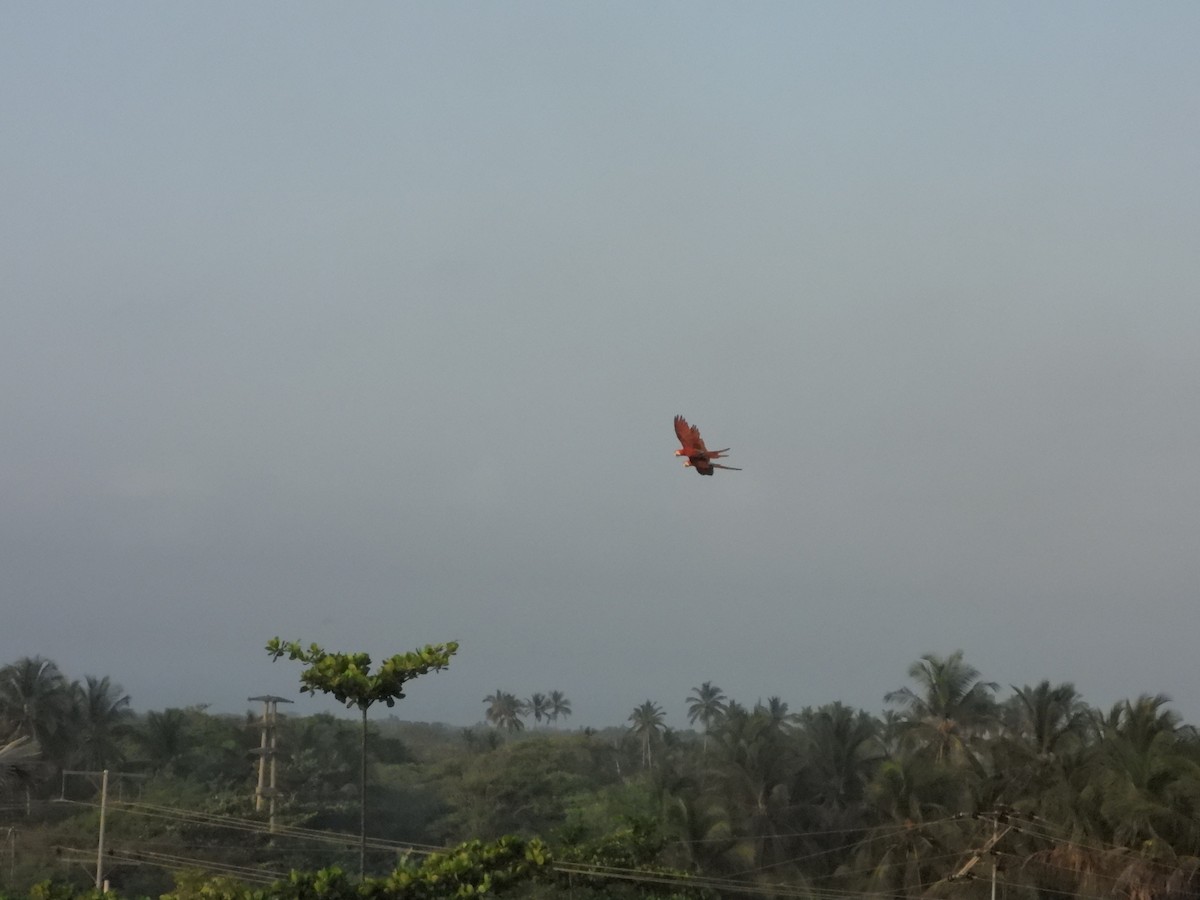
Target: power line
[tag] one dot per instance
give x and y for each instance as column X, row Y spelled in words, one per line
column 730, row 884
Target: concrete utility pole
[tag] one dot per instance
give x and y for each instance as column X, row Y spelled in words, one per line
column 266, row 750
column 100, row 843
column 100, row 884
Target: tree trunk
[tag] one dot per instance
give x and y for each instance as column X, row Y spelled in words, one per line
column 362, row 802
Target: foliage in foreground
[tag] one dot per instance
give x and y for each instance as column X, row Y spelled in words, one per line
column 472, row 869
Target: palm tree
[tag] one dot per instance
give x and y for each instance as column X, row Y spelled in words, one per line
column 559, row 705
column 757, row 761
column 914, row 798
column 950, row 707
column 505, row 711
column 101, row 719
column 1048, row 732
column 843, row 751
column 1142, row 721
column 649, row 722
column 1148, row 778
column 1133, row 813
column 164, row 738
column 538, row 706
column 706, row 705
column 35, row 702
column 18, row 761
column 1046, row 718
column 776, row 710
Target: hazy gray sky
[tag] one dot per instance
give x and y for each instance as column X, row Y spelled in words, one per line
column 366, row 324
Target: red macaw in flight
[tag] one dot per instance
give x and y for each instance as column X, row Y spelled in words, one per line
column 697, row 456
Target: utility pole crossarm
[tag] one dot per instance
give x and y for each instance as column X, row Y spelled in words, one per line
column 980, row 853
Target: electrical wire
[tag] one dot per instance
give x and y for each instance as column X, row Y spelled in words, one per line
column 735, row 883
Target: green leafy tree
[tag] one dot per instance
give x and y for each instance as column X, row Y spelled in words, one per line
column 483, row 741
column 219, row 747
column 474, row 869
column 164, row 740
column 522, row 787
column 323, row 765
column 348, row 677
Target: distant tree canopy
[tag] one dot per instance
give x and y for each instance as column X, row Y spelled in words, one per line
column 1065, row 798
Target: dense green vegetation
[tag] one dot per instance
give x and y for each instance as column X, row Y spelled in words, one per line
column 958, row 784
column 348, row 677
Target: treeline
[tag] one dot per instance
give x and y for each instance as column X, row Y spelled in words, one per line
column 72, row 723
column 958, row 786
